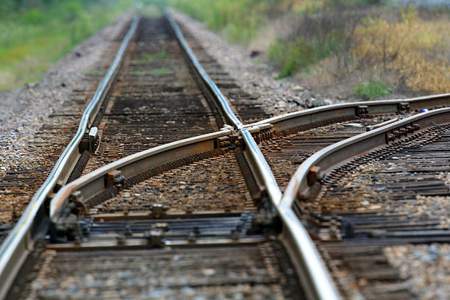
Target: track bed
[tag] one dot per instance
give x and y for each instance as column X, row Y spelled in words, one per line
column 392, row 200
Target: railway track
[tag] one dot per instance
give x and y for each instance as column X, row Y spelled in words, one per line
column 207, row 206
column 19, row 182
column 294, row 137
column 186, row 205
column 369, row 197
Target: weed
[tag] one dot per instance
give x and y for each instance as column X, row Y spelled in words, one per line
column 371, row 90
column 297, row 55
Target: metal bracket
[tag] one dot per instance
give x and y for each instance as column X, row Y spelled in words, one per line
column 114, row 179
column 67, row 227
column 262, row 132
column 155, row 238
column 361, row 111
column 266, row 217
column 403, row 107
column 90, row 141
column 159, row 210
column 313, row 175
column 229, row 142
column 401, row 131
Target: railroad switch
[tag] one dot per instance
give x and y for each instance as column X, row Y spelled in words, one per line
column 90, row 141
column 79, row 207
column 67, row 226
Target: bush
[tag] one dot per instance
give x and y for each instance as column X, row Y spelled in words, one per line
column 411, row 47
column 371, row 90
column 291, row 57
column 300, row 54
column 351, row 40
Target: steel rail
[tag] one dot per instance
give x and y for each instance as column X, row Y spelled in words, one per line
column 93, row 183
column 309, row 265
column 19, row 242
column 311, row 118
column 301, row 188
column 314, row 276
column 312, row 271
column 224, row 104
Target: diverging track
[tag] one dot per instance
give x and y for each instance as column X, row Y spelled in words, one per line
column 369, row 198
column 186, row 205
column 206, row 205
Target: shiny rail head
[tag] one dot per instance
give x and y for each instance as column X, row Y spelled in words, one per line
column 222, row 101
column 16, row 246
column 306, row 181
column 317, row 281
column 135, row 164
column 394, row 105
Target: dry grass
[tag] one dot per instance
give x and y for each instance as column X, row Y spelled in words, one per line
column 415, row 49
column 360, row 48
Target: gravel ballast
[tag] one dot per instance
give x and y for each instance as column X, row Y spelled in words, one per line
column 38, row 120
column 24, row 111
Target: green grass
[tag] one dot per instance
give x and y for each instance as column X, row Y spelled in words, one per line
column 238, row 20
column 299, row 55
column 241, row 20
column 34, row 39
column 371, row 90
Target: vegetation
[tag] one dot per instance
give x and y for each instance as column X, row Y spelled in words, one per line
column 415, row 49
column 371, row 90
column 237, row 19
column 299, row 54
column 36, row 33
column 369, row 48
